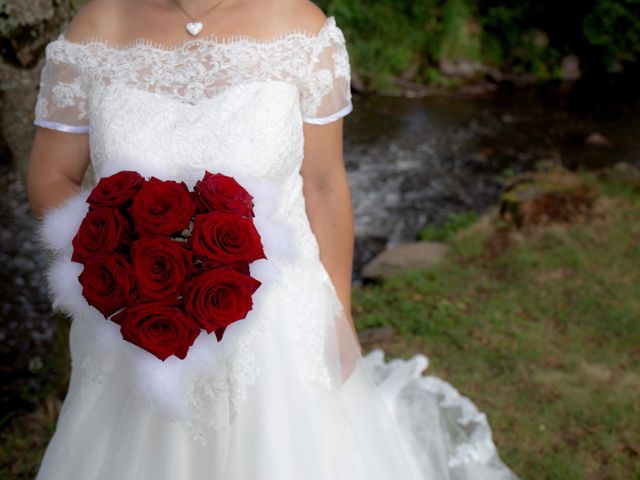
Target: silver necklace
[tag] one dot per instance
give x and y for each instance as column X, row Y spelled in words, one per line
column 194, row 26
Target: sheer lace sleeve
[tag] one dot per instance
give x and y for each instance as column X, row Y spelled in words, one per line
column 62, row 98
column 326, row 92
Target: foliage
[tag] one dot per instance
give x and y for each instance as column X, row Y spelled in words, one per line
column 391, row 36
column 510, row 44
column 391, row 39
column 459, row 38
column 614, row 27
column 533, row 35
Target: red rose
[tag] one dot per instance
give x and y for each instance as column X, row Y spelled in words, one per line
column 160, row 266
column 159, row 328
column 103, row 230
column 204, row 265
column 162, row 207
column 218, row 192
column 107, row 282
column 116, row 190
column 219, row 297
column 223, row 238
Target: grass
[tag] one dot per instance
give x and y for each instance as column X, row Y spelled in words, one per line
column 541, row 328
column 446, row 230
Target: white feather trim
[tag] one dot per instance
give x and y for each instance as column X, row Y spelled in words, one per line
column 165, row 385
column 59, row 225
column 65, row 288
column 161, row 384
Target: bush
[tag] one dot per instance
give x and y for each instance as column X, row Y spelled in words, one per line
column 388, row 39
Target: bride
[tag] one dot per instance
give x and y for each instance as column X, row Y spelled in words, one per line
column 256, row 90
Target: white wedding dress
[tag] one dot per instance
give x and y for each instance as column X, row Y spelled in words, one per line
column 286, row 394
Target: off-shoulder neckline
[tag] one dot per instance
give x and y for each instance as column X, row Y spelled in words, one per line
column 210, row 39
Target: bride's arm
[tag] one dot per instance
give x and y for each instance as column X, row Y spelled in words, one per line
column 59, row 159
column 57, row 163
column 328, row 204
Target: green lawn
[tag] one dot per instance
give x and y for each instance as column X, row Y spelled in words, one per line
column 541, row 328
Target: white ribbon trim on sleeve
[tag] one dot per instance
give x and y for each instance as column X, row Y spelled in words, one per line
column 63, row 127
column 330, row 118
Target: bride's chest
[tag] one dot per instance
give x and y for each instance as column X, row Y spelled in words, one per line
column 250, row 128
column 173, row 116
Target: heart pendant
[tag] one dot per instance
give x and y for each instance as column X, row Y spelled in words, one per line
column 194, row 28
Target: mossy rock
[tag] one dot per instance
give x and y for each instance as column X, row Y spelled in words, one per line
column 557, row 195
column 25, row 30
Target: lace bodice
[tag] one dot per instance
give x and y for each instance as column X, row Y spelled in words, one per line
column 235, row 106
column 230, row 103
column 195, row 69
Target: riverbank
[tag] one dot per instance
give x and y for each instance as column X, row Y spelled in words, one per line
column 539, row 327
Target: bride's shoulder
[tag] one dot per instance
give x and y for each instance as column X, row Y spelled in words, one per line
column 96, row 18
column 304, row 15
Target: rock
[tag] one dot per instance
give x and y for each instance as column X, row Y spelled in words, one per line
column 596, row 139
column 461, row 68
column 24, row 33
column 616, row 67
column 403, row 257
column 478, row 89
column 365, row 249
column 571, row 68
column 546, row 196
column 411, row 89
column 26, row 29
column 540, row 39
column 494, row 74
column 520, row 79
column 549, row 163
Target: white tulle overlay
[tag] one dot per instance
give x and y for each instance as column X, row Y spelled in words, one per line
column 286, row 394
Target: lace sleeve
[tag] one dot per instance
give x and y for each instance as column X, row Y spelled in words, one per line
column 62, row 98
column 326, row 92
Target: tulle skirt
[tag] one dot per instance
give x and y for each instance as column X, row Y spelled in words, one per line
column 364, row 418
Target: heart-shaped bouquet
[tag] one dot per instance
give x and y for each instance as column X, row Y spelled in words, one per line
column 164, row 262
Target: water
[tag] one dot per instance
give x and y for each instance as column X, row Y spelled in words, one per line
column 26, row 323
column 410, row 162
column 413, row 162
